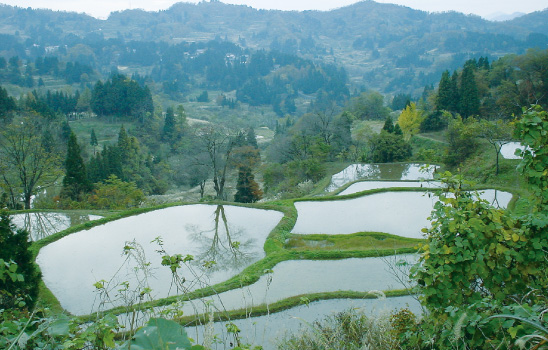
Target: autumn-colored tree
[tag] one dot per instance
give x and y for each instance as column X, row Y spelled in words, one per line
column 247, row 189
column 410, row 120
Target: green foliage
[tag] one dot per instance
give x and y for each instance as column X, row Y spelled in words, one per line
column 447, row 98
column 435, row 121
column 480, row 261
column 467, row 251
column 25, row 163
column 532, row 129
column 159, row 334
column 386, row 148
column 203, row 97
column 461, row 138
column 93, row 139
column 388, row 125
column 469, row 96
column 7, row 103
column 75, row 182
column 349, row 329
column 115, row 194
column 370, row 105
column 19, row 275
column 121, row 96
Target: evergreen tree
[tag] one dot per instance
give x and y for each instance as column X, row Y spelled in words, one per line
column 469, row 96
column 14, row 246
column 455, row 94
column 76, row 180
column 93, row 140
column 170, row 128
column 251, row 138
column 444, row 97
column 388, row 125
column 7, row 103
column 247, row 189
column 123, row 143
column 397, row 130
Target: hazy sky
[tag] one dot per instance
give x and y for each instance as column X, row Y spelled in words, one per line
column 101, row 8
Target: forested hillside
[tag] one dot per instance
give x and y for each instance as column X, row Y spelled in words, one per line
column 384, row 47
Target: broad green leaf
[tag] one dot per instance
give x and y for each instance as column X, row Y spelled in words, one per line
column 160, row 334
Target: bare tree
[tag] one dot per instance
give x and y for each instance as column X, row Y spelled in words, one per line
column 497, row 133
column 25, row 164
column 218, row 143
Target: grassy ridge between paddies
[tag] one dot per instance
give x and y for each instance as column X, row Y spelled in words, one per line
column 288, row 303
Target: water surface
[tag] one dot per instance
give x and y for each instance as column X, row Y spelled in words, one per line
column 508, row 150
column 399, row 213
column 270, row 329
column 43, row 224
column 385, row 171
column 297, row 277
column 222, row 239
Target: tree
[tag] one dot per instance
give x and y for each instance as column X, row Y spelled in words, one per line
column 114, row 193
column 7, row 103
column 469, row 96
column 388, row 125
column 14, row 248
column 170, row 130
column 76, row 181
column 93, row 140
column 497, row 133
column 218, row 144
column 247, row 189
column 370, row 105
column 435, row 121
column 251, row 138
column 386, row 147
column 204, row 97
column 461, row 139
column 25, row 164
column 410, row 120
column 444, row 98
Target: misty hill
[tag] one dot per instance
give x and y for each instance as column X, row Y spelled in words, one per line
column 386, row 47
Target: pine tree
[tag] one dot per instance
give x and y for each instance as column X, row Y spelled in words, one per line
column 14, row 245
column 75, row 181
column 388, row 125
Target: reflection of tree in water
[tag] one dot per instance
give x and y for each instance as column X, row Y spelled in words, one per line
column 40, row 225
column 393, row 171
column 366, row 171
column 229, row 250
column 495, row 201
